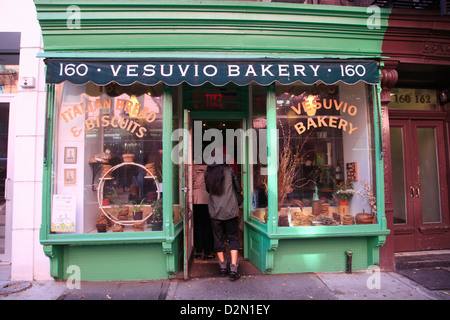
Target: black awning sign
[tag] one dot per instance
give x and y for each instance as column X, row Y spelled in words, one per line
column 215, row 72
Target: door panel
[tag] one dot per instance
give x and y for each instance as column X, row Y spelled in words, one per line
column 188, row 207
column 428, row 189
column 5, row 184
column 399, row 175
column 421, row 218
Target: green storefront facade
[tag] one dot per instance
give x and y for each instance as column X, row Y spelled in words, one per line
column 258, row 65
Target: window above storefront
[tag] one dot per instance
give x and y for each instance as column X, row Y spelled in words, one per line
column 9, row 61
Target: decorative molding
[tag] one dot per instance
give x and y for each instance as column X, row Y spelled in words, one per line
column 389, row 78
column 270, row 255
column 197, row 26
column 436, row 49
column 418, row 37
column 56, row 255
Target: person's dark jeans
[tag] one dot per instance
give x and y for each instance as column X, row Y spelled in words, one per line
column 230, row 228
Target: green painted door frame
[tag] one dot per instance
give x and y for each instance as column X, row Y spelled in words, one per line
column 242, row 116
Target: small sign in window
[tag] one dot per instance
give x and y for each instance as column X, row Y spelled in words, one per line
column 414, row 99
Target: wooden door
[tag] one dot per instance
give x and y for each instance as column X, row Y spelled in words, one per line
column 420, row 197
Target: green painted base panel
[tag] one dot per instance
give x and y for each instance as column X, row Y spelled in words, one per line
column 319, row 255
column 310, row 254
column 117, row 262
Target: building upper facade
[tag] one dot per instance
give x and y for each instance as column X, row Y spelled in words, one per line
column 171, row 28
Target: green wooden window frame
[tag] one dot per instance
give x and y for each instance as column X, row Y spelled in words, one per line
column 48, row 238
column 272, row 230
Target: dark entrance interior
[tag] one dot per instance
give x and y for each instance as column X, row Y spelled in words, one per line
column 208, row 267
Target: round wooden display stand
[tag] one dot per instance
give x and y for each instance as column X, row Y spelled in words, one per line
column 100, row 193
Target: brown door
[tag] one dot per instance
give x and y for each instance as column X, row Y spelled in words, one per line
column 420, row 197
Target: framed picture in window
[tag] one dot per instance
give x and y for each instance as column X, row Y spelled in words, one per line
column 70, row 155
column 70, row 177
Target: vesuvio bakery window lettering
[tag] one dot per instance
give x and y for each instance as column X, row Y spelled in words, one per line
column 263, row 72
column 325, row 155
column 108, row 158
column 311, row 104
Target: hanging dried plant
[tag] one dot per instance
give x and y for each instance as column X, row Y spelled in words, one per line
column 289, row 159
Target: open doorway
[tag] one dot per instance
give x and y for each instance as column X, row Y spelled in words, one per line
column 204, row 262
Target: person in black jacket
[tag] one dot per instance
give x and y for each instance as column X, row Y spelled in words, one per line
column 224, row 209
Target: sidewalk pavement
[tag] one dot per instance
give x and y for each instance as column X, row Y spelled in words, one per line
column 360, row 285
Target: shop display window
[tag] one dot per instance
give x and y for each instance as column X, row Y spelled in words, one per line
column 325, row 155
column 107, row 158
column 258, row 155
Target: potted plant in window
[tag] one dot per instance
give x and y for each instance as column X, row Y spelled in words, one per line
column 128, row 155
column 138, row 210
column 109, row 195
column 102, row 224
column 157, row 215
column 344, row 192
column 369, row 196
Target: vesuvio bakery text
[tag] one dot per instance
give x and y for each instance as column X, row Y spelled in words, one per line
column 216, row 72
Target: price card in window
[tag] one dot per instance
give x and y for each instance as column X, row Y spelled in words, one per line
column 63, row 213
column 352, row 172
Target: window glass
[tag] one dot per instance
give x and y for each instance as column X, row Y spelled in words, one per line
column 324, row 155
column 9, row 63
column 396, row 135
column 108, row 159
column 258, row 155
column 177, row 124
column 9, row 77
